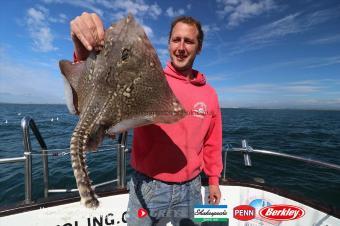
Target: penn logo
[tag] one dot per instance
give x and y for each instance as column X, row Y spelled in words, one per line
column 244, row 212
column 282, row 212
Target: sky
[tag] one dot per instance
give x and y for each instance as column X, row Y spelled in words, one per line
column 256, row 53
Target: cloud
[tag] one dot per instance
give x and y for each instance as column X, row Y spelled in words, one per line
column 300, row 89
column 210, row 28
column 38, row 27
column 324, row 62
column 86, row 4
column 325, row 40
column 292, row 88
column 287, row 25
column 116, row 9
column 138, row 8
column 295, row 102
column 303, row 94
column 170, row 12
column 269, row 88
column 291, row 24
column 218, row 78
column 163, row 55
column 302, row 63
column 62, row 18
column 148, row 30
column 238, row 11
column 270, row 33
column 163, row 41
column 21, row 83
column 211, row 33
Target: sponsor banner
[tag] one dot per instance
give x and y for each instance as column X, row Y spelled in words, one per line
column 204, row 213
column 271, row 214
column 244, row 212
column 258, row 204
column 282, row 212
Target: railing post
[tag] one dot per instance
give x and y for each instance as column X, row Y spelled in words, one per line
column 28, row 161
column 45, row 168
column 26, row 123
column 225, row 161
column 246, row 155
column 121, row 160
column 44, row 155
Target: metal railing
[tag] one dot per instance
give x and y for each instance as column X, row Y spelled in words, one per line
column 121, row 168
column 246, row 151
column 28, row 123
column 121, row 160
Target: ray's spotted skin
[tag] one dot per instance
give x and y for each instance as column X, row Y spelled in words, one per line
column 121, row 87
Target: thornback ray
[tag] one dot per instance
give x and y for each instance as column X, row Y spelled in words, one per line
column 121, row 87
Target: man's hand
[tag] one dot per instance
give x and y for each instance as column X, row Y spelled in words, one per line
column 214, row 194
column 87, row 32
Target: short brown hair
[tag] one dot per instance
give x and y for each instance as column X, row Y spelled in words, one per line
column 191, row 21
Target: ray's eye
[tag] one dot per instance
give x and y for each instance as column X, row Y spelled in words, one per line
column 125, row 54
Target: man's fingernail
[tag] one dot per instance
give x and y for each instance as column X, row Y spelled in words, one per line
column 89, row 47
column 102, row 42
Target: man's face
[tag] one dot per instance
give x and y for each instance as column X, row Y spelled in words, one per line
column 183, row 46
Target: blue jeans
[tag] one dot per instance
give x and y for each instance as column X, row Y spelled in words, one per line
column 163, row 201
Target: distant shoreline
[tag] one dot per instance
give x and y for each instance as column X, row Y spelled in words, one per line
column 235, row 108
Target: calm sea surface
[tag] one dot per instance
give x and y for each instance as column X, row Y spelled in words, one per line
column 312, row 134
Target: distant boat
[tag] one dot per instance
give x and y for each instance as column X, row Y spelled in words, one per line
column 51, row 119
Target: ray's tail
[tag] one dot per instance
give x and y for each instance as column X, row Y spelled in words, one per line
column 79, row 139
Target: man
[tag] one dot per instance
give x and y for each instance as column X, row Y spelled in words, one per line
column 168, row 158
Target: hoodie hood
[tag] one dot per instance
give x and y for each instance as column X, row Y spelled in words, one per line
column 198, row 80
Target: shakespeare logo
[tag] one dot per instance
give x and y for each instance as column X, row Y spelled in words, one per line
column 204, row 213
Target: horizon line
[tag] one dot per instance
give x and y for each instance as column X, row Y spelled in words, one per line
column 250, row 108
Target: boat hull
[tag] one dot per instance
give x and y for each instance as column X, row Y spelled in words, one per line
column 112, row 211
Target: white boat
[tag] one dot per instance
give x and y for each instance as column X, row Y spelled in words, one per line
column 247, row 204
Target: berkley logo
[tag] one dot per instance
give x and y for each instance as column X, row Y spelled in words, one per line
column 244, row 212
column 282, row 212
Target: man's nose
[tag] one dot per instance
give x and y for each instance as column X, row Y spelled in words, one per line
column 181, row 45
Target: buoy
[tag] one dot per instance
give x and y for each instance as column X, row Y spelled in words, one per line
column 51, row 119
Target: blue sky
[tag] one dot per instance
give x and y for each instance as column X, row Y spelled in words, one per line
column 256, row 53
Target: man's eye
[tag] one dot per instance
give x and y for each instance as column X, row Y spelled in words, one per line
column 189, row 41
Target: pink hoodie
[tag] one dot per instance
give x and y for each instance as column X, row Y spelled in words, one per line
column 179, row 152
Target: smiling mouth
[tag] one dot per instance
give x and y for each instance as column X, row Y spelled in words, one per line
column 181, row 58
